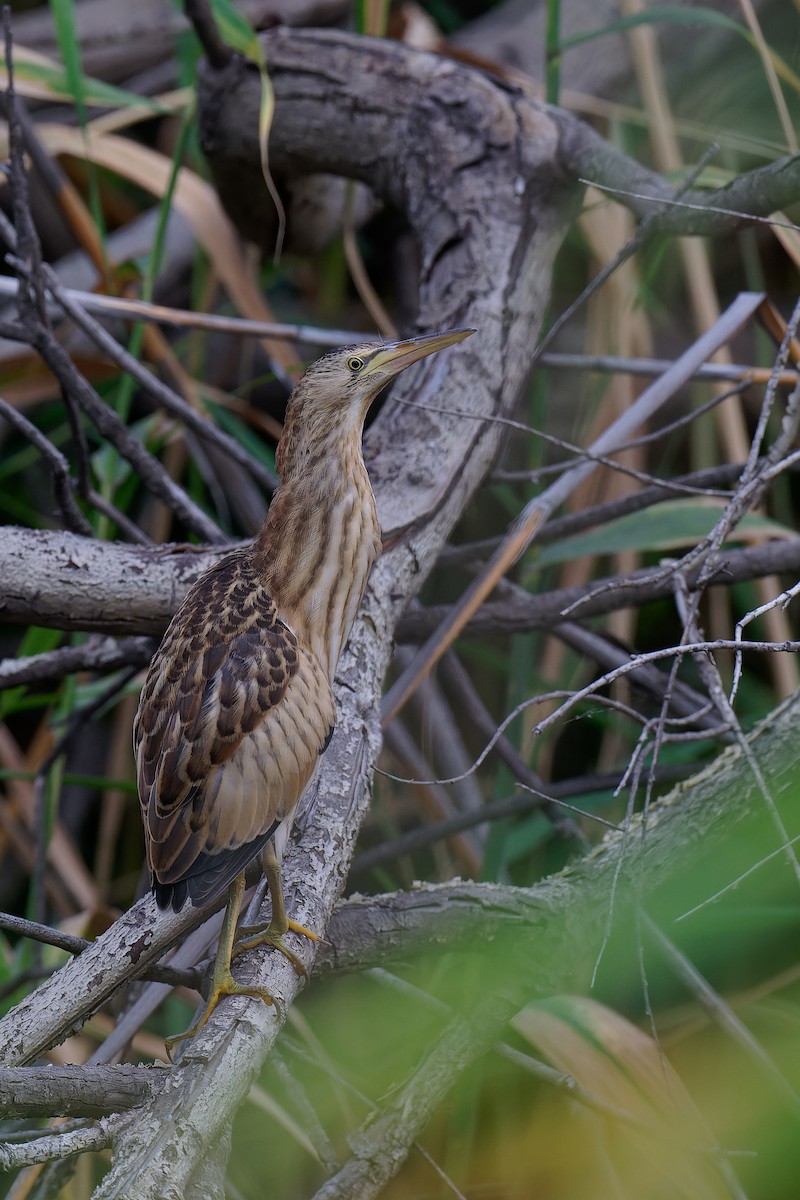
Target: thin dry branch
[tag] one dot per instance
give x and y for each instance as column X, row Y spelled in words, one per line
column 164, row 396
column 524, row 529
column 57, row 464
column 78, row 392
column 519, row 611
column 95, row 654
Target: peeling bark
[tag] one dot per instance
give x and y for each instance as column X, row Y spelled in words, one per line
column 73, row 1091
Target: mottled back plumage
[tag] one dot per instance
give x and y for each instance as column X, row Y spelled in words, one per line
column 217, row 769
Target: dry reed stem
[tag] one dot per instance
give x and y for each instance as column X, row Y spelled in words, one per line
column 730, row 420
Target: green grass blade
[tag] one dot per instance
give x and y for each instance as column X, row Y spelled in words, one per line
column 372, row 17
column 237, row 32
column 69, row 45
column 667, row 526
column 553, row 48
column 660, row 14
column 54, row 79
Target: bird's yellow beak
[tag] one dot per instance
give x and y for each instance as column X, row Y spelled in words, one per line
column 394, row 357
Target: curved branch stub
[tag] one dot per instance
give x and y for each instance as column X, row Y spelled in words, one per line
column 474, row 167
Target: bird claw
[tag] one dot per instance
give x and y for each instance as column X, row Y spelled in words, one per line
column 271, row 935
column 224, row 985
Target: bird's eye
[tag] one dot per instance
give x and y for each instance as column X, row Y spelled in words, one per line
column 354, row 363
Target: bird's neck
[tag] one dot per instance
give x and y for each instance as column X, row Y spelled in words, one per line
column 319, row 541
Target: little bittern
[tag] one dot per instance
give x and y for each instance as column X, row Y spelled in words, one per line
column 237, row 705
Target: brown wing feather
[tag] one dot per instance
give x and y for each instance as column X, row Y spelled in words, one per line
column 233, row 716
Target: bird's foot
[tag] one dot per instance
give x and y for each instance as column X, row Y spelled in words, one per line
column 222, row 984
column 272, row 935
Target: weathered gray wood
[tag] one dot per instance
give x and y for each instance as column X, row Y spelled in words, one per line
column 63, row 1002
column 118, row 38
column 73, row 1091
column 70, row 582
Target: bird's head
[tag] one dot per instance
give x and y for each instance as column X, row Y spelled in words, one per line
column 336, row 391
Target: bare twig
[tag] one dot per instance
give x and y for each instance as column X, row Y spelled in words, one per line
column 95, row 654
column 721, row 1012
column 58, row 466
column 520, row 611
column 163, row 395
column 647, row 227
column 713, row 481
column 524, row 529
column 97, row 1136
column 108, row 423
column 218, row 53
column 615, row 364
column 183, row 318
column 477, row 713
column 23, row 242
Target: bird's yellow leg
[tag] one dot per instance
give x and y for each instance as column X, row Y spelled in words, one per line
column 222, row 982
column 273, row 933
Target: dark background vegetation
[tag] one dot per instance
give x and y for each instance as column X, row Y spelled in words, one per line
column 663, row 91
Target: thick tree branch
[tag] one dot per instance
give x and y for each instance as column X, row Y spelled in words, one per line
column 757, row 193
column 70, row 996
column 74, row 1091
column 67, row 582
column 59, row 579
column 520, row 611
column 582, row 153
